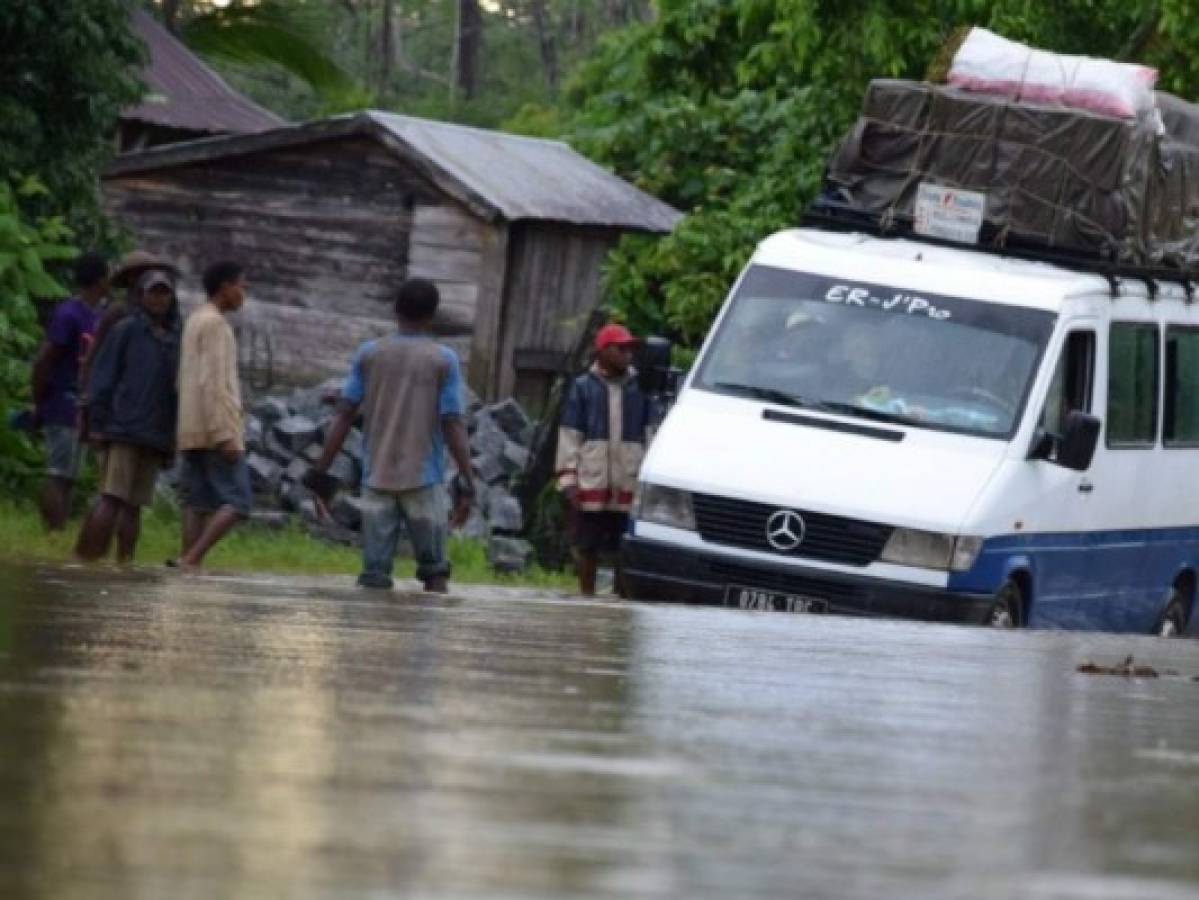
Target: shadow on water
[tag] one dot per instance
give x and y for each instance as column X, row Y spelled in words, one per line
column 170, row 736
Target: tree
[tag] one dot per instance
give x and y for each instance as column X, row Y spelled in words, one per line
column 26, row 249
column 68, row 68
column 468, row 48
column 729, row 108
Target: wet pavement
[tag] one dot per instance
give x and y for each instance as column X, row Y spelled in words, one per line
column 167, row 736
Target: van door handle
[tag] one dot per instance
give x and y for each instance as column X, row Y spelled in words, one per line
column 1085, row 487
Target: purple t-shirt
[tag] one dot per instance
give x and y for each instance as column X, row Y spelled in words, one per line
column 72, row 328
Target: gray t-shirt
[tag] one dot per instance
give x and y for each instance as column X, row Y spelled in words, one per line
column 406, row 384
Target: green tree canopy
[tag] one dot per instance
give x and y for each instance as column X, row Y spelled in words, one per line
column 67, row 69
column 729, row 108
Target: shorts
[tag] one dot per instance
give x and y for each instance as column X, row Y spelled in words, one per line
column 129, row 473
column 209, row 482
column 63, row 451
column 600, row 531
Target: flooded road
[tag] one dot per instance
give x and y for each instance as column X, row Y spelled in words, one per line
column 164, row 736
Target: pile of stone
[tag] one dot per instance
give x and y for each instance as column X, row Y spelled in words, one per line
column 285, row 436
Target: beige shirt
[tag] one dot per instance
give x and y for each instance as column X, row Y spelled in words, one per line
column 209, row 393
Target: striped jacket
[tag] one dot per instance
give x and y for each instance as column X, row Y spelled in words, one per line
column 602, row 439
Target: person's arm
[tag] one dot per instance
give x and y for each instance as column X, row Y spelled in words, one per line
column 352, row 395
column 48, row 357
column 342, row 423
column 107, row 367
column 570, row 443
column 213, row 353
column 453, row 429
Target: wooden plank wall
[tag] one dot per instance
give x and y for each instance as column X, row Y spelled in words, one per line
column 447, row 248
column 327, row 232
column 554, row 283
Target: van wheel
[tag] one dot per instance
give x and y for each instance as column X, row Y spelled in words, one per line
column 1007, row 611
column 1174, row 619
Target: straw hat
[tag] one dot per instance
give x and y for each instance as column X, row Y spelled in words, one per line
column 134, row 263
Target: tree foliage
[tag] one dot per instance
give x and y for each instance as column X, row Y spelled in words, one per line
column 26, row 248
column 67, row 69
column 729, row 108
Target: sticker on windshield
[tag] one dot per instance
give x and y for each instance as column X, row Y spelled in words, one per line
column 896, row 301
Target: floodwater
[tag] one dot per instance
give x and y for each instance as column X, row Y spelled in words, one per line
column 173, row 736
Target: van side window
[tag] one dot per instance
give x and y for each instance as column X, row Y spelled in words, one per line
column 1132, row 384
column 1073, row 380
column 1182, row 386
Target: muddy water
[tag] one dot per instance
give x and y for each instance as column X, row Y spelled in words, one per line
column 163, row 736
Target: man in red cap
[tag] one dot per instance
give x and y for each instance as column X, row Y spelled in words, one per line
column 600, row 445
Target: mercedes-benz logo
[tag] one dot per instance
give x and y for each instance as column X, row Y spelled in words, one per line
column 785, row 530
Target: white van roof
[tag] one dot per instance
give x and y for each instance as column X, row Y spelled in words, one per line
column 914, row 265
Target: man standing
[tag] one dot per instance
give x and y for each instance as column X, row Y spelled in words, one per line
column 601, row 442
column 215, row 481
column 56, row 385
column 409, row 389
column 132, row 415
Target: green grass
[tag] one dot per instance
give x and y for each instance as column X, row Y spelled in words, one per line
column 249, row 549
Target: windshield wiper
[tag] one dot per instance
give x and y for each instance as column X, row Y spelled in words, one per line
column 773, row 395
column 878, row 415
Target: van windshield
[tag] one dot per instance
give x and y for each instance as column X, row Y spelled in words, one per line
column 877, row 352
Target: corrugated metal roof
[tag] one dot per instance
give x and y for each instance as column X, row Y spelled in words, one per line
column 530, row 178
column 500, row 176
column 185, row 93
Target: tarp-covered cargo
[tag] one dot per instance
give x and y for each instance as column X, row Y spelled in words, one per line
column 1076, row 182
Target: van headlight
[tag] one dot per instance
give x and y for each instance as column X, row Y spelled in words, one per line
column 666, row 506
column 931, row 550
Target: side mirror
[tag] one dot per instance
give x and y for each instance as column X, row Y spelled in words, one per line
column 653, row 365
column 1078, row 444
column 1043, row 444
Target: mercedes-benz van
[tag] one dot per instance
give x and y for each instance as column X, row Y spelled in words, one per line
column 893, row 427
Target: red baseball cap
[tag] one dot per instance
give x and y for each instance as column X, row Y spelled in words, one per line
column 613, row 334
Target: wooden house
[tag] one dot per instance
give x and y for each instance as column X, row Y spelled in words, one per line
column 185, row 99
column 331, row 216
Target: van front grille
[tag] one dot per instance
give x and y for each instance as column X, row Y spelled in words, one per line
column 740, row 523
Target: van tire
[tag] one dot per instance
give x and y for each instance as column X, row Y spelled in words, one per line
column 1007, row 610
column 1174, row 619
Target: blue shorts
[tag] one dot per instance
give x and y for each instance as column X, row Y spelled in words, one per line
column 63, row 452
column 209, row 482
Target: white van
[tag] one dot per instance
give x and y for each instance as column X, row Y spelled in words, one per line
column 892, row 427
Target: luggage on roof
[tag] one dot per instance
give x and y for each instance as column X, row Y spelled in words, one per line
column 1121, row 191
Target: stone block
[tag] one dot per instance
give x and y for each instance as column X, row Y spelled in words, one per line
column 264, row 473
column 296, row 470
column 270, row 410
column 296, row 433
column 253, row 434
column 346, row 471
column 347, row 511
column 503, row 512
column 509, row 555
column 274, row 449
column 488, row 438
column 270, row 519
column 515, row 458
column 510, row 417
column 355, row 444
column 489, row 468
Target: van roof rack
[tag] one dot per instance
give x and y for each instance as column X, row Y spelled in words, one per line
column 833, row 218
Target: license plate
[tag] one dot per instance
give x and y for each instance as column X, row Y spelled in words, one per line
column 753, row 598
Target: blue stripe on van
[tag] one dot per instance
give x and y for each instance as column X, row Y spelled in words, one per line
column 1109, row 580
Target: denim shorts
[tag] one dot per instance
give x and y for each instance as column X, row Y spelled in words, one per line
column 209, row 482
column 63, row 452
